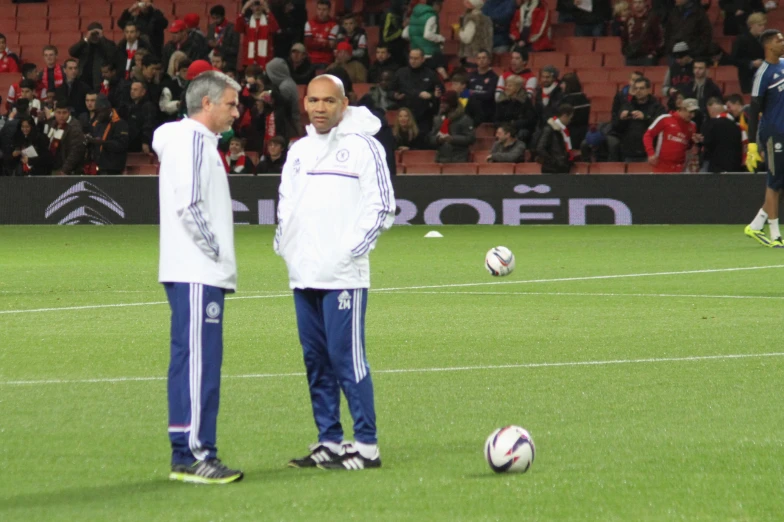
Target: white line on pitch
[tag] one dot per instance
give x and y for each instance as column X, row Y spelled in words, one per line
column 456, row 285
column 421, row 370
column 590, row 294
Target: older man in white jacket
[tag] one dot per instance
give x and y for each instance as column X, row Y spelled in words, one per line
column 335, row 199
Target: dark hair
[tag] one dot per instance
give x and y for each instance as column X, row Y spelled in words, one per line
column 142, row 82
column 254, row 71
column 27, row 68
column 735, row 98
column 151, row 59
column 417, row 49
column 507, row 128
column 571, row 83
column 637, row 73
column 643, row 79
column 459, row 78
column 28, row 84
column 50, row 48
column 2, row 36
column 22, row 107
column 71, row 60
column 523, row 52
column 217, row 54
column 61, row 102
column 768, row 35
column 701, row 60
column 132, row 24
column 324, row 2
column 279, row 140
column 110, row 65
column 218, row 10
column 382, row 45
column 433, row 2
column 714, row 100
column 564, row 110
column 480, row 51
column 184, row 64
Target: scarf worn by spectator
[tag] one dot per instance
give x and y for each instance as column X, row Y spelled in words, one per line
column 55, row 134
column 258, row 35
column 234, row 163
column 558, row 125
column 130, row 52
column 58, row 76
column 220, row 32
column 269, row 131
column 546, row 93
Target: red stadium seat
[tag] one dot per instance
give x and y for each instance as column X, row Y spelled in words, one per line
column 619, row 74
column 602, row 116
column 64, row 25
column 614, row 60
column 98, row 9
column 638, row 168
column 608, row 168
column 31, row 25
column 564, row 30
column 574, row 45
column 11, row 37
column 361, row 89
column 33, row 39
column 593, row 90
column 64, row 40
column 528, row 168
column 656, row 72
column 391, row 117
column 183, row 8
column 32, row 11
column 579, row 61
column 480, row 155
column 142, row 170
column 59, row 10
column 724, row 73
column 496, row 168
column 732, row 87
column 138, row 158
column 484, row 130
column 581, row 168
column 593, row 75
column 423, row 169
column 484, row 142
column 419, row 156
column 607, row 45
column 454, row 169
column 601, row 104
column 540, row 60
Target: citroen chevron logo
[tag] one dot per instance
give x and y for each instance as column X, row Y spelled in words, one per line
column 86, row 204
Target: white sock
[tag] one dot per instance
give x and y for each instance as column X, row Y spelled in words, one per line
column 774, row 228
column 369, row 451
column 333, row 446
column 759, row 222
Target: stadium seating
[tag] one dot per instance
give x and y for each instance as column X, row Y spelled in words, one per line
column 496, row 168
column 459, row 168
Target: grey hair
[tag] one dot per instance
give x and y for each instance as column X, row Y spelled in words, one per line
column 211, row 84
column 334, row 79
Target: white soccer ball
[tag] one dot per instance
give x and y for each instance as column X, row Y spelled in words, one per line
column 510, row 449
column 500, row 261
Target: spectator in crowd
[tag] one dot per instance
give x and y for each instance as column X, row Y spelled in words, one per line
column 30, row 156
column 501, row 13
column 722, row 140
column 681, row 71
column 624, row 95
column 417, row 87
column 380, row 95
column 7, row 132
column 642, row 36
column 272, row 117
column 258, row 26
column 321, row 35
column 530, row 27
column 292, row 15
column 482, row 84
column 476, row 31
column 737, row 12
column 554, row 148
column 459, row 84
column 29, row 72
column 173, row 88
column 676, row 133
column 235, row 159
column 354, row 68
column 126, row 49
column 66, row 139
column 506, row 148
column 392, row 33
column 423, row 33
column 27, row 91
column 280, row 77
column 216, row 60
column 302, row 71
column 138, row 65
column 591, row 17
column 113, row 87
column 192, row 22
column 573, row 94
column 514, row 107
column 384, row 135
column 453, row 131
column 547, row 96
column 747, row 51
column 73, row 89
column 190, row 43
column 8, row 62
column 272, row 162
column 518, row 66
column 153, row 78
column 87, row 118
column 141, row 118
column 739, row 110
column 384, row 62
column 53, row 74
column 222, row 37
column 621, row 14
column 350, row 32
column 108, row 140
column 148, row 20
column 93, row 51
column 633, row 121
column 701, row 88
column 406, row 132
column 689, row 23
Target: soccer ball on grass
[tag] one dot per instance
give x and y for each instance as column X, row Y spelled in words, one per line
column 500, row 261
column 510, row 449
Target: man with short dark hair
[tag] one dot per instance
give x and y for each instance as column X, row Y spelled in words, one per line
column 518, row 66
column 29, row 72
column 217, row 61
column 547, row 95
column 633, row 120
column 8, row 63
column 321, row 36
column 73, row 89
column 148, row 20
column 66, row 139
column 506, row 148
column 222, row 37
column 384, row 62
column 554, row 149
column 53, row 74
column 93, row 51
column 141, row 118
column 126, row 50
column 701, row 88
column 418, row 88
column 86, row 119
column 107, row 140
column 351, row 32
column 481, row 85
column 112, row 85
column 722, row 139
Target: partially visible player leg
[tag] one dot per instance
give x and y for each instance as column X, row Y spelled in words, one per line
column 755, row 229
column 322, row 380
column 344, row 315
column 775, row 158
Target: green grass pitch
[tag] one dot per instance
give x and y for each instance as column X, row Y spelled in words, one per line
column 652, row 396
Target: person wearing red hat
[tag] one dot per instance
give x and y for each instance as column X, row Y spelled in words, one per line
column 193, row 44
column 258, row 26
column 197, row 67
column 192, row 21
column 356, row 71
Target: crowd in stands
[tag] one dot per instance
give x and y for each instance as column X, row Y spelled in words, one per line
column 465, row 93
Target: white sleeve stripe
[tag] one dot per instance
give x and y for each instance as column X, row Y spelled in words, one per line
column 758, row 79
column 375, row 230
column 657, row 120
column 198, row 217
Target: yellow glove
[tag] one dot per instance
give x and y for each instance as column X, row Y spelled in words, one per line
column 752, row 157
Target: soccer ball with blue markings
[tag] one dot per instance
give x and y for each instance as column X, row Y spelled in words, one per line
column 500, row 261
column 510, row 449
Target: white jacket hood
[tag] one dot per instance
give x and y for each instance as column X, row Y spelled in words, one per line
column 356, row 120
column 169, row 132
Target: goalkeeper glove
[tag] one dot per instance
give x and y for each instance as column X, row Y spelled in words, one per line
column 752, row 157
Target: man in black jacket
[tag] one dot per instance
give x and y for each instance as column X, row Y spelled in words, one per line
column 108, row 141
column 113, row 86
column 635, row 118
column 222, row 37
column 418, row 88
column 747, row 51
column 150, row 22
column 547, row 95
column 722, row 140
column 73, row 89
column 481, row 85
column 701, row 88
column 126, row 49
column 192, row 43
column 141, row 119
column 552, row 150
column 302, row 71
column 93, row 51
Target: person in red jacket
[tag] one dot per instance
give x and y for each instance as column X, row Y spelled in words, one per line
column 676, row 133
column 8, row 63
column 321, row 35
column 258, row 26
column 530, row 28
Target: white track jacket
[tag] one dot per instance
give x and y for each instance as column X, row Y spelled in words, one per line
column 197, row 222
column 335, row 199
